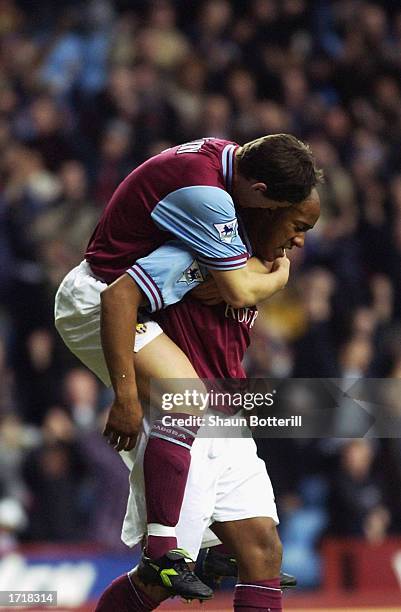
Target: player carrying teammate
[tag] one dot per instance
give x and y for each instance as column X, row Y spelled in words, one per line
column 215, row 355
column 184, row 192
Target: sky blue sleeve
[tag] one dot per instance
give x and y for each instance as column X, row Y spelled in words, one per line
column 166, row 275
column 204, row 218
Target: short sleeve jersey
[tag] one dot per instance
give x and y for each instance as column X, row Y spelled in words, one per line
column 181, row 193
column 214, row 338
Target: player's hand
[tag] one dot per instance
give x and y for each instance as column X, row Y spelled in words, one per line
column 123, row 423
column 282, row 266
column 207, row 292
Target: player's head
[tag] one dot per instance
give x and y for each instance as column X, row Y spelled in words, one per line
column 271, row 232
column 275, row 171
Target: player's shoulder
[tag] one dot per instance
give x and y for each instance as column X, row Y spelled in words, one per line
column 188, row 168
column 205, row 161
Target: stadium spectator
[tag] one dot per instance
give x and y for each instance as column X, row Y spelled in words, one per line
column 55, row 475
column 358, row 504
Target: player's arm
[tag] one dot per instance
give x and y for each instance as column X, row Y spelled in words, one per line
column 204, row 218
column 208, row 291
column 254, row 264
column 167, row 274
column 119, row 308
column 158, row 280
column 245, row 287
column 155, row 281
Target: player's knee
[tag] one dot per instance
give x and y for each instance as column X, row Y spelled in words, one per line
column 262, row 560
column 270, row 547
column 277, row 549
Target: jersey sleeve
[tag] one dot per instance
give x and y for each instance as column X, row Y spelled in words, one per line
column 166, row 275
column 204, row 218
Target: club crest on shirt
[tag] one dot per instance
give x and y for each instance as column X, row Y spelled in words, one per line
column 227, row 231
column 192, row 274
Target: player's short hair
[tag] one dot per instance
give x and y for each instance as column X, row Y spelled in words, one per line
column 284, row 163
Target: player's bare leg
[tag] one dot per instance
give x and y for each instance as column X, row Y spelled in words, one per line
column 166, row 465
column 258, row 550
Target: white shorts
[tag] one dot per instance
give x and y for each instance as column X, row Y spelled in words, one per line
column 77, row 319
column 227, row 481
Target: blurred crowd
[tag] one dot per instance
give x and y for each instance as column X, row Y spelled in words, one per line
column 88, row 90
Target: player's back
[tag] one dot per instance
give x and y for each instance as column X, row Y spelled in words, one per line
column 126, row 230
column 214, row 338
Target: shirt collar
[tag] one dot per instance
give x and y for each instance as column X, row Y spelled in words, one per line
column 227, row 163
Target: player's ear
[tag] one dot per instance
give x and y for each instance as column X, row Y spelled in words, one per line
column 259, row 187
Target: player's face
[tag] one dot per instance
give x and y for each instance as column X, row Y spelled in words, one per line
column 286, row 227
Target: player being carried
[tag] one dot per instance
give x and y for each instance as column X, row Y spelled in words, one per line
column 272, row 172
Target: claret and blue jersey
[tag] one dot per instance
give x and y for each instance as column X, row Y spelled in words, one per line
column 182, row 193
column 168, row 223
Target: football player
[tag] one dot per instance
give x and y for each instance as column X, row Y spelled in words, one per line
column 140, row 216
